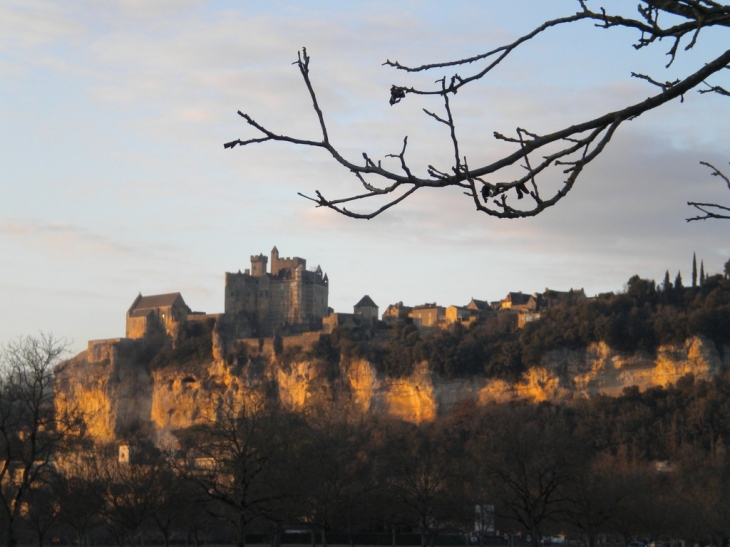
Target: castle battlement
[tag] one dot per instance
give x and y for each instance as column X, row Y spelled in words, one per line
column 289, row 296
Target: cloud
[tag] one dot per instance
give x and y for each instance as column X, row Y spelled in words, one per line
column 33, row 23
column 62, row 238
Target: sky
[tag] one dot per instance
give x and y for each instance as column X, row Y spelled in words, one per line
column 114, row 179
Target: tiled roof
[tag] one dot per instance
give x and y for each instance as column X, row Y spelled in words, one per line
column 156, row 301
column 518, row 298
column 479, row 304
column 366, row 302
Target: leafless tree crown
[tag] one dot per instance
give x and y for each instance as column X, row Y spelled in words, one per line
column 569, row 149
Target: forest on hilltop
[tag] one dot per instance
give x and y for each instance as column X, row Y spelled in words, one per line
column 639, row 319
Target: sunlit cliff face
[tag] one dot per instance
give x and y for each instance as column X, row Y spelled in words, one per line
column 118, row 395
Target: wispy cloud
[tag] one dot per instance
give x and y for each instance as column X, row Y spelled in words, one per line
column 61, row 237
column 34, row 23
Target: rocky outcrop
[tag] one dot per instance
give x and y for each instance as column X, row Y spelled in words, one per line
column 599, row 369
column 119, row 395
column 107, row 385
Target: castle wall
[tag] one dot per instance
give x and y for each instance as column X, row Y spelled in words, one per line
column 278, row 264
column 241, row 291
column 101, row 350
column 290, row 295
column 203, row 316
column 305, row 340
column 174, row 316
column 317, row 299
column 136, row 327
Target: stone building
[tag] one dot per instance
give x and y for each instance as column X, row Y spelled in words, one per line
column 365, row 314
column 427, row 315
column 515, row 301
column 396, row 312
column 367, row 309
column 289, row 296
column 166, row 311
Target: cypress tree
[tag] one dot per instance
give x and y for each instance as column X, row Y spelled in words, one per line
column 694, row 270
column 678, row 281
column 666, row 285
column 702, row 272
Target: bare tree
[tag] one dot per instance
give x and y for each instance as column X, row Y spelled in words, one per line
column 81, row 501
column 32, row 429
column 41, row 510
column 568, row 149
column 531, row 461
column 130, row 494
column 333, row 475
column 423, row 472
column 238, row 459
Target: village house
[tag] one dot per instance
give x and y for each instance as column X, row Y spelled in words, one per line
column 427, row 315
column 365, row 314
column 367, row 309
column 165, row 311
column 396, row 312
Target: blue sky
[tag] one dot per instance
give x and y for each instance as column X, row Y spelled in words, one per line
column 114, row 179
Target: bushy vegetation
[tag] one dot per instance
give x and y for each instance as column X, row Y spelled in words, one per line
column 193, row 344
column 639, row 319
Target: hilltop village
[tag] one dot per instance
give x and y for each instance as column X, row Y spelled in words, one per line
column 287, row 299
column 278, row 334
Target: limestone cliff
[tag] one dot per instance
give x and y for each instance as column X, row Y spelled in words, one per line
column 107, row 384
column 119, row 395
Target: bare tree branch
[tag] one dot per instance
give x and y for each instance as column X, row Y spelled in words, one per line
column 712, row 210
column 569, row 149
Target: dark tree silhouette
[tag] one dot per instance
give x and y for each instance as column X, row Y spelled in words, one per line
column 33, row 430
column 238, row 458
column 568, row 149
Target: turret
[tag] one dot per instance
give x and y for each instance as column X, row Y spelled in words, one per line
column 275, row 266
column 258, row 265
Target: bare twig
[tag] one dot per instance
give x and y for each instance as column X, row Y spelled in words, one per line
column 711, row 210
column 570, row 148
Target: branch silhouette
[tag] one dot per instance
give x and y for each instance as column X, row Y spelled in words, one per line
column 568, row 150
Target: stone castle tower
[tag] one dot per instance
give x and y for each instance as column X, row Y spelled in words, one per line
column 288, row 296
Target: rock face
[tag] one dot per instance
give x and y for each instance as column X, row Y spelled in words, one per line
column 120, row 397
column 108, row 386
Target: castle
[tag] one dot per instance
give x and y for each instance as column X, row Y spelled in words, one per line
column 290, row 299
column 290, row 296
